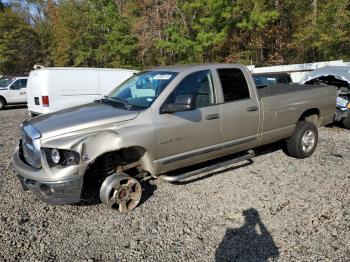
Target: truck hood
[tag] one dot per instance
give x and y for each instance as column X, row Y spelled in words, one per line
column 78, row 118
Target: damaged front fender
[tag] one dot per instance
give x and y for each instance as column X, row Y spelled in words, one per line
column 93, row 145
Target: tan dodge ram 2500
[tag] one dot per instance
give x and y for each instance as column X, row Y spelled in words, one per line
column 160, row 120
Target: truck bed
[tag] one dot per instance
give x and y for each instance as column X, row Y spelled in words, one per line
column 265, row 91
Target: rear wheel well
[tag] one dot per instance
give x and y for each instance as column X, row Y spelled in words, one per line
column 311, row 115
column 3, row 99
column 3, row 102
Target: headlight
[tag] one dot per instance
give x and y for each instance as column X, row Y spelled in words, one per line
column 61, row 157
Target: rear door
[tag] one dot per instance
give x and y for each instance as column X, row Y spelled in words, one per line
column 23, row 91
column 240, row 110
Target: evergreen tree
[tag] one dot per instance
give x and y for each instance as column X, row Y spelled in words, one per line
column 18, row 43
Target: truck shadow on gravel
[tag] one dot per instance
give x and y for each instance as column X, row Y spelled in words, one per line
column 251, row 242
column 16, row 106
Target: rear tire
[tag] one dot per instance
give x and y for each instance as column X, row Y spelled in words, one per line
column 2, row 103
column 304, row 140
column 346, row 122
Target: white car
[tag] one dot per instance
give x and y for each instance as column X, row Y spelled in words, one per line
column 55, row 88
column 13, row 90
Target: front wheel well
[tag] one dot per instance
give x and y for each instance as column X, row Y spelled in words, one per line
column 121, row 157
column 311, row 115
column 107, row 164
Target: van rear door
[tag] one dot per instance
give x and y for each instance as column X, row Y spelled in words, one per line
column 36, row 82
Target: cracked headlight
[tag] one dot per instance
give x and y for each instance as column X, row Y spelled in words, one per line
column 61, row 157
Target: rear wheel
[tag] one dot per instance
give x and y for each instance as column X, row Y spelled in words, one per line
column 304, row 140
column 2, row 103
column 346, row 122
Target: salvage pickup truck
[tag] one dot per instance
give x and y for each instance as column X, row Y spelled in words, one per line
column 161, row 120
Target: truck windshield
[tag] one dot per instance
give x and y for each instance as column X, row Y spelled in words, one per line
column 140, row 91
column 5, row 82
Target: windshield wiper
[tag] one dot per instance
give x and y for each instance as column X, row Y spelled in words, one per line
column 118, row 100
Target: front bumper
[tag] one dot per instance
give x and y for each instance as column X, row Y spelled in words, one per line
column 339, row 115
column 63, row 191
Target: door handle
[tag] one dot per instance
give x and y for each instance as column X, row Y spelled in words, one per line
column 212, row 116
column 252, row 108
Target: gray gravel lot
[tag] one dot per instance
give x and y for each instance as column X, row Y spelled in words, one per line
column 276, row 208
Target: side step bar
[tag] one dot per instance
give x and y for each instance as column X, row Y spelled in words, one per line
column 176, row 178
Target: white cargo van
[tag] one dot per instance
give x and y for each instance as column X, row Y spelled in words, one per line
column 54, row 88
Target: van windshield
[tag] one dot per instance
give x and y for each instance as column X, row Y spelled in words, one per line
column 5, row 82
column 142, row 89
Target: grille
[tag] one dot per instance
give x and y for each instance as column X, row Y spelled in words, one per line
column 31, row 145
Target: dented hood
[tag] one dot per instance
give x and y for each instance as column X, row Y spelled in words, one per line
column 80, row 117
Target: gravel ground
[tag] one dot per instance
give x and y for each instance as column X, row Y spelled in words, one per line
column 275, row 208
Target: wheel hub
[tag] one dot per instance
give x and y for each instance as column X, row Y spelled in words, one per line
column 121, row 192
column 308, row 141
column 122, row 195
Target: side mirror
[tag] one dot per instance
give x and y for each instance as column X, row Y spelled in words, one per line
column 182, row 103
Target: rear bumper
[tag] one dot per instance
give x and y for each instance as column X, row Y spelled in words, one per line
column 39, row 111
column 62, row 191
column 34, row 112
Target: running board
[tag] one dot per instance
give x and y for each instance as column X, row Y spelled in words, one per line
column 176, row 178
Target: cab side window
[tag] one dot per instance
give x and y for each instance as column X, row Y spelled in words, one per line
column 18, row 84
column 198, row 84
column 234, row 84
column 23, row 83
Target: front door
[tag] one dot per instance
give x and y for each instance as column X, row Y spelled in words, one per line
column 17, row 91
column 189, row 137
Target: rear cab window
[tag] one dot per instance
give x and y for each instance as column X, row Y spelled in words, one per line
column 234, row 84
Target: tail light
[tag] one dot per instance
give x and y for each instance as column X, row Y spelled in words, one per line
column 45, row 101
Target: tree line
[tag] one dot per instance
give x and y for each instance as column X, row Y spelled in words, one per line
column 144, row 33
